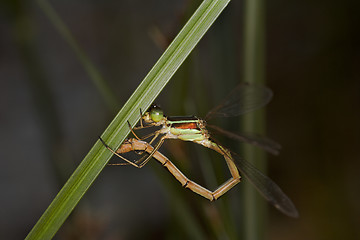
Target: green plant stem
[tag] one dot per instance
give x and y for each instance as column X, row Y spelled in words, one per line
column 96, row 77
column 254, row 72
column 114, row 135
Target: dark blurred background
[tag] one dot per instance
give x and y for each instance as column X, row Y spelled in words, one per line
column 51, row 113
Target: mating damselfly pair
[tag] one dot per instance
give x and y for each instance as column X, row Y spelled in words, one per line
column 244, row 98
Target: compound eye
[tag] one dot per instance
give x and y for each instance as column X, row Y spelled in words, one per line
column 156, row 113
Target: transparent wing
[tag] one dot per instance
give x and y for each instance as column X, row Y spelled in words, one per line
column 257, row 140
column 244, row 98
column 266, row 187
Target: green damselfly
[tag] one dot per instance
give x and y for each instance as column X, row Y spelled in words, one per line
column 244, row 98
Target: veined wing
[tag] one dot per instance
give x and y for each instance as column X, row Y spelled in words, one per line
column 257, row 140
column 244, row 98
column 266, row 187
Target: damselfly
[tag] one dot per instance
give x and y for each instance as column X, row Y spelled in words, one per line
column 242, row 99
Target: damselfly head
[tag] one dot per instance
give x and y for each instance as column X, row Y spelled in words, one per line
column 154, row 114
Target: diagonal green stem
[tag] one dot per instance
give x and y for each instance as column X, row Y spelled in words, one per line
column 90, row 68
column 114, row 135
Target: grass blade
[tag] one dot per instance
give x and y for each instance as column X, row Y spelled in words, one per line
column 144, row 95
column 105, row 91
column 254, row 72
